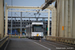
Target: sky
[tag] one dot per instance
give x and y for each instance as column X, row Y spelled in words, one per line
column 26, row 3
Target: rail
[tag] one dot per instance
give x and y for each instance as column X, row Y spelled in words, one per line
column 17, row 36
column 61, row 39
column 3, row 40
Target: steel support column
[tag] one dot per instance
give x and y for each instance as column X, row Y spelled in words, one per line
column 71, row 8
column 48, row 22
column 57, row 18
column 63, row 18
column 73, row 26
column 11, row 16
column 21, row 24
column 53, row 29
column 52, row 23
column 6, row 21
column 1, row 19
column 66, row 18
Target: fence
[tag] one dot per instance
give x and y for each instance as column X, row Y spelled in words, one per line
column 3, row 40
column 61, row 39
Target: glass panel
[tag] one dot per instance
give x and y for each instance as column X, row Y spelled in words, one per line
column 37, row 28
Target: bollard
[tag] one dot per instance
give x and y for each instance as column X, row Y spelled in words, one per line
column 15, row 34
column 19, row 37
column 9, row 35
column 40, row 40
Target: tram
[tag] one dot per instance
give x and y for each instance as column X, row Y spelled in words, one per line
column 34, row 30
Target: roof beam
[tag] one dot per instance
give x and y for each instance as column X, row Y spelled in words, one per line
column 28, row 7
column 29, row 17
column 26, row 11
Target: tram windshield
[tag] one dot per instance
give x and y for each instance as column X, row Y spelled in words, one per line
column 37, row 28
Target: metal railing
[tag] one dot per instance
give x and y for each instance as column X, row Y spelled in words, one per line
column 3, row 40
column 61, row 39
column 17, row 36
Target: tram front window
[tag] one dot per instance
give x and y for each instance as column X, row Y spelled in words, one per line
column 37, row 28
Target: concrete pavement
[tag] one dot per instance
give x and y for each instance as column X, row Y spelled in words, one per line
column 29, row 44
column 25, row 44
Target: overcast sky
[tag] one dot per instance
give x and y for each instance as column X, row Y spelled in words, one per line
column 26, row 3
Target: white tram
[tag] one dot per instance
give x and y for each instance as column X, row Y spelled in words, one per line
column 34, row 30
